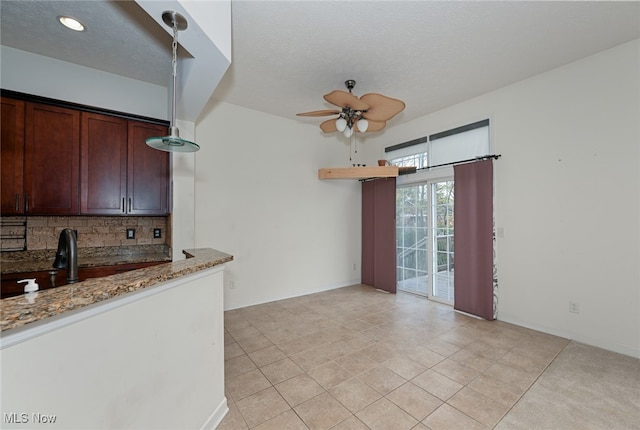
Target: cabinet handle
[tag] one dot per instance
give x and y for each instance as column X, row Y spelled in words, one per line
column 17, row 202
column 123, row 206
column 26, row 202
column 129, row 204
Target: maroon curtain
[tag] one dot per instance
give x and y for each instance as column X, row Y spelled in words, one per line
column 379, row 234
column 368, row 233
column 473, row 238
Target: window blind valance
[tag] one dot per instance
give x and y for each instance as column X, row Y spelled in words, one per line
column 458, row 144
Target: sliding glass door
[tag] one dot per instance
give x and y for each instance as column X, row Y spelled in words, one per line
column 424, row 239
column 442, row 244
column 412, row 232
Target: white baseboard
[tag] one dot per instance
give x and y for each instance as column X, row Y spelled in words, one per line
column 216, row 416
column 291, row 296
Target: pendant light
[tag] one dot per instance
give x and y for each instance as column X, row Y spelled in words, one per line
column 173, row 142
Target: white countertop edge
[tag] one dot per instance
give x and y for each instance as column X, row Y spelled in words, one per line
column 38, row 328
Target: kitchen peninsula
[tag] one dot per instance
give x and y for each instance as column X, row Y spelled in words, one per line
column 141, row 349
column 93, row 262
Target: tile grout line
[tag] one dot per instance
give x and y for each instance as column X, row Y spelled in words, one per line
column 387, row 335
column 530, row 385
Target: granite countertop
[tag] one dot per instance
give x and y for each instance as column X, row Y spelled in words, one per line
column 17, row 311
column 42, row 260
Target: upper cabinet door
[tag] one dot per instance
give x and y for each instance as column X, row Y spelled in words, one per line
column 60, row 160
column 12, row 156
column 103, row 165
column 148, row 171
column 52, row 160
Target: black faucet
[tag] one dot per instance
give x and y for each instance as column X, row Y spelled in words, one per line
column 67, row 254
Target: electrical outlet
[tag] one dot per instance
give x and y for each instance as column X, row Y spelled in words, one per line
column 157, row 233
column 232, row 285
column 354, row 266
column 131, row 233
column 574, row 308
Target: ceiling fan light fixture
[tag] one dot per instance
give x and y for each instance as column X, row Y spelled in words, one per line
column 173, row 142
column 363, row 125
column 359, row 114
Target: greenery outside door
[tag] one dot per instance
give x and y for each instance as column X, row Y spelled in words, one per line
column 424, row 239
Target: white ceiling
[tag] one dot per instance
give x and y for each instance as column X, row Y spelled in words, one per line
column 120, row 37
column 287, row 54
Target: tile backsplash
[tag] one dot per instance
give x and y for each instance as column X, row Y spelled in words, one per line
column 43, row 231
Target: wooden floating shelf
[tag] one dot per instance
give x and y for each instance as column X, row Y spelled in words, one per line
column 358, row 172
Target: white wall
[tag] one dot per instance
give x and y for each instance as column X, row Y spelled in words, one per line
column 208, row 40
column 47, row 77
column 152, row 363
column 567, row 195
column 258, row 198
column 183, row 195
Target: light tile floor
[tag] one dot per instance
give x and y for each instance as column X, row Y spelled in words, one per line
column 357, row 358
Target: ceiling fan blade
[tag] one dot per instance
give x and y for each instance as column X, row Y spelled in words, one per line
column 373, row 126
column 329, row 126
column 325, row 112
column 381, row 108
column 345, row 99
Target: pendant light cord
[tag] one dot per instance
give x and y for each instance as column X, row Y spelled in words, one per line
column 174, row 64
column 173, row 142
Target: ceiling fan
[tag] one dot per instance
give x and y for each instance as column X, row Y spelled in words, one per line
column 367, row 113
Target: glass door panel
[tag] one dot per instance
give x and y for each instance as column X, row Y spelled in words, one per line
column 424, row 239
column 442, row 244
column 412, row 211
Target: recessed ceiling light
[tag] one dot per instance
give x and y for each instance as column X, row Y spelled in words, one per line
column 71, row 23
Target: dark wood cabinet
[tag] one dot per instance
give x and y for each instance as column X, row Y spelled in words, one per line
column 12, row 149
column 51, row 160
column 147, row 171
column 40, row 159
column 10, row 287
column 65, row 159
column 120, row 173
column 103, row 174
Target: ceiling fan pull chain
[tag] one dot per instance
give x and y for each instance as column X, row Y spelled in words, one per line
column 352, row 158
column 353, row 150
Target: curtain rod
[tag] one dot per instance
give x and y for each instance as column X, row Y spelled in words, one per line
column 469, row 160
